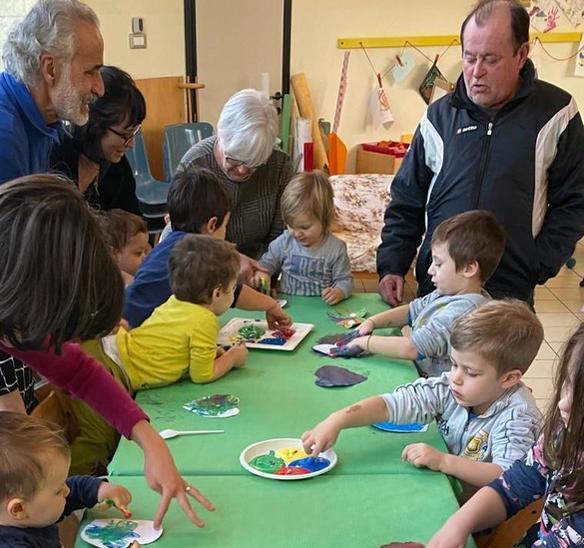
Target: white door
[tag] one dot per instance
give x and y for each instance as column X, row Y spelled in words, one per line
column 237, row 41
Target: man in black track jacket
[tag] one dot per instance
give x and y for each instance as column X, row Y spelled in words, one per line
column 503, row 141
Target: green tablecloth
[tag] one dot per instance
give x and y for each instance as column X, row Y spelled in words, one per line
column 279, row 399
column 327, row 511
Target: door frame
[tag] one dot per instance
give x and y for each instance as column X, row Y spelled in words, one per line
column 190, row 22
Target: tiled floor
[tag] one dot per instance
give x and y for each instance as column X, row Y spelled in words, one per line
column 559, row 307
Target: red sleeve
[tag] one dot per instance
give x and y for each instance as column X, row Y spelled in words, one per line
column 84, row 377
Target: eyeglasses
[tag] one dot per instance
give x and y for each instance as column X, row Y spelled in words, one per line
column 127, row 137
column 240, row 163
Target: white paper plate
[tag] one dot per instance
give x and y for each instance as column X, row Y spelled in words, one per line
column 324, row 348
column 264, row 447
column 144, row 532
column 232, row 327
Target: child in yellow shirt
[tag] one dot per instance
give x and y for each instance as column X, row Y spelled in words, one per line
column 179, row 339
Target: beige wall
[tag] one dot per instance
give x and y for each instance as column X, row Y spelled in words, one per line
column 317, row 25
column 164, row 26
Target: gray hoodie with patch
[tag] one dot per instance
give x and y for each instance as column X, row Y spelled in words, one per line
column 502, row 434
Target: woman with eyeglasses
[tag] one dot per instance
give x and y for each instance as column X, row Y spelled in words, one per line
column 94, row 155
column 251, row 169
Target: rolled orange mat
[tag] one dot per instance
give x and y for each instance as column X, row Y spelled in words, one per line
column 306, row 108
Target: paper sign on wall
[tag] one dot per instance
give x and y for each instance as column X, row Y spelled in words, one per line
column 401, row 71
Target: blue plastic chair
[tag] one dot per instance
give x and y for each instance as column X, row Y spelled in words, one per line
column 151, row 192
column 178, row 138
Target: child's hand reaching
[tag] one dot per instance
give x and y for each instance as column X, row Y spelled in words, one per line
column 261, row 282
column 332, row 295
column 277, row 318
column 367, row 327
column 238, row 354
column 322, row 437
column 421, row 454
column 119, row 496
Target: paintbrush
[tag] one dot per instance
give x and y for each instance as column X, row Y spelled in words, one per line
column 125, row 512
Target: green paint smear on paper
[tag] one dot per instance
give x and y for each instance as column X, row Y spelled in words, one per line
column 213, row 405
column 115, row 534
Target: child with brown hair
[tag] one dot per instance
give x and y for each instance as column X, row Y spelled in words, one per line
column 312, row 260
column 35, row 492
column 180, row 337
column 552, row 470
column 127, row 236
column 486, row 415
column 466, row 250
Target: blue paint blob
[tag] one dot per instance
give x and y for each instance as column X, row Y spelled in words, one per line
column 314, row 464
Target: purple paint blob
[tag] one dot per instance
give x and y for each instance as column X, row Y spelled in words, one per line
column 313, row 464
column 329, row 376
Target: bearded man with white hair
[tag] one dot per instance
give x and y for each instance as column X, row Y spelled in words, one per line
column 52, row 60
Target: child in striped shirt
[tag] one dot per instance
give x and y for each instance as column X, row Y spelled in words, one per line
column 312, row 260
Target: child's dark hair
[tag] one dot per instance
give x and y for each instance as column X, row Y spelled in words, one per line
column 26, row 444
column 506, row 333
column 312, row 194
column 564, row 446
column 196, row 195
column 121, row 102
column 58, row 281
column 472, row 236
column 121, row 226
column 198, row 265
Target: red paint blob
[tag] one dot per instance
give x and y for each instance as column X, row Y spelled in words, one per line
column 292, row 471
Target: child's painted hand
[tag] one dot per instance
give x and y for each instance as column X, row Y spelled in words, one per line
column 277, row 318
column 421, row 454
column 322, row 437
column 238, row 355
column 119, row 496
column 332, row 295
column 367, row 327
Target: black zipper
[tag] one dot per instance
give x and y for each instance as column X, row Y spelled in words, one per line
column 481, row 175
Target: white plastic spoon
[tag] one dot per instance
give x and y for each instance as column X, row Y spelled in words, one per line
column 169, row 433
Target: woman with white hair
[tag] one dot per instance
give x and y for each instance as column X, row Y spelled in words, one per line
column 251, row 169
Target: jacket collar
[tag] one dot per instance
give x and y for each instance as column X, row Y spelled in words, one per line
column 502, row 403
column 22, row 96
column 460, row 99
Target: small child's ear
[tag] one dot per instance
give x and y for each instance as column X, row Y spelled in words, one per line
column 471, row 269
column 216, row 293
column 511, row 378
column 210, row 226
column 16, row 510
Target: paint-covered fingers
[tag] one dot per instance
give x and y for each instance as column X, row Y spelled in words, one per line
column 320, row 438
column 308, row 443
column 277, row 318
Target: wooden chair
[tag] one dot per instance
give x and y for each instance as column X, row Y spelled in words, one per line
column 511, row 531
column 54, row 407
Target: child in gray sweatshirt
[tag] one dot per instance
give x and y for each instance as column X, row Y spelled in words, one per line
column 486, row 415
column 313, row 261
column 466, row 250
